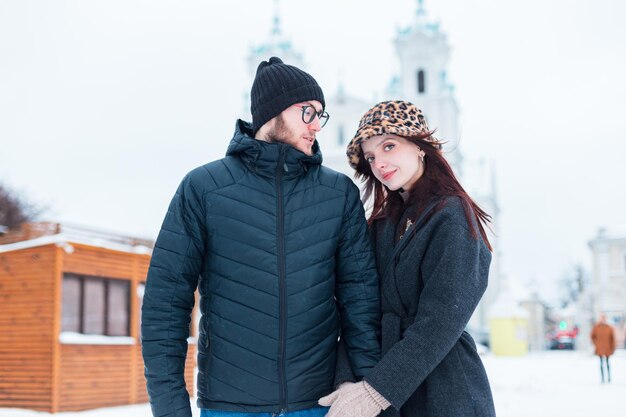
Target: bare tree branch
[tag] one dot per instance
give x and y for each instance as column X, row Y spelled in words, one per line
column 15, row 209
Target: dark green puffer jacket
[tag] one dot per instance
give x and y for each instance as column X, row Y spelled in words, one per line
column 278, row 246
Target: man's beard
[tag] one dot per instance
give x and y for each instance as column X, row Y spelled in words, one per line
column 282, row 134
column 279, row 132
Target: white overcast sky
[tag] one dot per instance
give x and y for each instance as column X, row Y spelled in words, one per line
column 105, row 105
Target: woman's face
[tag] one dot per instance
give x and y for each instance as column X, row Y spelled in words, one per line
column 395, row 161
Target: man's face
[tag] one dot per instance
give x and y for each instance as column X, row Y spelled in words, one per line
column 288, row 127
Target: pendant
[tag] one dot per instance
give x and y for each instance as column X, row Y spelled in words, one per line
column 409, row 222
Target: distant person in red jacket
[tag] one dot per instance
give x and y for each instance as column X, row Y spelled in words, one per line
column 603, row 338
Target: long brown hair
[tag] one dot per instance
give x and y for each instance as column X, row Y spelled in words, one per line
column 437, row 181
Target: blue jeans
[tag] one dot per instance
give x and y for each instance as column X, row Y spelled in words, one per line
column 309, row 412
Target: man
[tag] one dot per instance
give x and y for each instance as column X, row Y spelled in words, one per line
column 278, row 247
column 603, row 338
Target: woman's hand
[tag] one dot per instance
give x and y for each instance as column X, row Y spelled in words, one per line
column 354, row 400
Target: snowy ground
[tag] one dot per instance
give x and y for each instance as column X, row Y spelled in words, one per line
column 542, row 384
column 557, row 383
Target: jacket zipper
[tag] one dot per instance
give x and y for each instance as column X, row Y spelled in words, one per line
column 282, row 340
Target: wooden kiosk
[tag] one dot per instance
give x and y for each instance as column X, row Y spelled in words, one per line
column 70, row 304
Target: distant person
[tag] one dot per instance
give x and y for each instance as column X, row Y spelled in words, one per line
column 603, row 338
column 433, row 258
column 278, row 247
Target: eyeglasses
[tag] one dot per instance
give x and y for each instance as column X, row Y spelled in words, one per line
column 309, row 113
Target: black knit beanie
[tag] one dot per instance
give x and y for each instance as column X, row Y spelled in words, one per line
column 278, row 86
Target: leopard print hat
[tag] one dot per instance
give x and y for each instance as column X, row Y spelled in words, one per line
column 398, row 117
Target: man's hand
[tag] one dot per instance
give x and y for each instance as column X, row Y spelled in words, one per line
column 354, row 400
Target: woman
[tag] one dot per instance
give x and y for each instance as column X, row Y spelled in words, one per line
column 433, row 258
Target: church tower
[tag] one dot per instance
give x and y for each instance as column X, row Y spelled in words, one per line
column 423, row 52
column 345, row 110
column 277, row 44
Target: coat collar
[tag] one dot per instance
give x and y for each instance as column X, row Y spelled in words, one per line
column 385, row 242
column 386, row 246
column 264, row 157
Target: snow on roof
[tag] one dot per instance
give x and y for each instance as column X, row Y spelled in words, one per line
column 65, row 241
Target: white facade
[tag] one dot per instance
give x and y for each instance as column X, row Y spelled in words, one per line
column 608, row 280
column 345, row 113
column 479, row 180
column 423, row 53
column 536, row 322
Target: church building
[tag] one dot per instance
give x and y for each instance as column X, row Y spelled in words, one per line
column 423, row 53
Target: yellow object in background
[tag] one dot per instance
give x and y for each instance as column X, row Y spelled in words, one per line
column 509, row 336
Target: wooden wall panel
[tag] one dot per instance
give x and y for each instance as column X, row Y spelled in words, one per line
column 87, row 260
column 87, row 376
column 26, row 333
column 142, row 267
column 93, row 376
column 190, row 370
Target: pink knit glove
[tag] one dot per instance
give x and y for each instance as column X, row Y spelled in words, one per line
column 354, row 400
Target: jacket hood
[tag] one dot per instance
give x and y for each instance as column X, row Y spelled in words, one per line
column 263, row 157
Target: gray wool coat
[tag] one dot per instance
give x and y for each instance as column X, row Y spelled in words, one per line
column 431, row 282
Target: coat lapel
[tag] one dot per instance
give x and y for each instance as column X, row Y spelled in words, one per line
column 386, row 253
column 385, row 242
column 386, row 249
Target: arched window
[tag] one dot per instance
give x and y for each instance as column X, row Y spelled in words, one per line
column 421, row 82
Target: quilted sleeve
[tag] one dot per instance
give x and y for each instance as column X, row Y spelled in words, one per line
column 169, row 299
column 343, row 369
column 357, row 288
